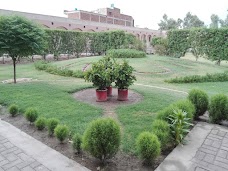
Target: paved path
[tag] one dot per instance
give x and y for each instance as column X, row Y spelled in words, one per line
column 21, row 152
column 206, row 150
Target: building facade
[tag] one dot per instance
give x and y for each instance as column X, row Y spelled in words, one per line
column 79, row 22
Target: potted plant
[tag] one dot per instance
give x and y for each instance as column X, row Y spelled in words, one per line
column 98, row 76
column 124, row 78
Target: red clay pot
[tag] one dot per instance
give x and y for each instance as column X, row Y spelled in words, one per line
column 109, row 91
column 101, row 95
column 122, row 94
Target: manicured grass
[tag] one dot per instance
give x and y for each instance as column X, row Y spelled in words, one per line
column 51, row 93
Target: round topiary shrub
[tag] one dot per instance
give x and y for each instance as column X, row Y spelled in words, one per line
column 31, row 115
column 162, row 130
column 61, row 132
column 166, row 113
column 148, row 147
column 13, row 110
column 200, row 100
column 41, row 123
column 218, row 109
column 102, row 138
column 77, row 141
column 51, row 125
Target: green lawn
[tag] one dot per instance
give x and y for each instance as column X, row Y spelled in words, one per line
column 51, row 94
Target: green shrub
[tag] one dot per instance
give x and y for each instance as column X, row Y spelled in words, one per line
column 13, row 110
column 148, row 147
column 218, row 108
column 61, row 132
column 102, row 138
column 184, row 105
column 125, row 53
column 52, row 124
column 216, row 77
column 180, row 124
column 31, row 114
column 41, row 123
column 162, row 130
column 78, row 74
column 200, row 100
column 41, row 65
column 77, row 141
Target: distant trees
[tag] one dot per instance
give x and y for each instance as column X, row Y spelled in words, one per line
column 191, row 21
column 169, row 23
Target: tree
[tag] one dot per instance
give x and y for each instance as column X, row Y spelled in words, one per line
column 224, row 23
column 191, row 21
column 19, row 38
column 214, row 21
column 169, row 23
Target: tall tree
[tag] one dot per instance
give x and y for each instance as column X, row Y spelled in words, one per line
column 20, row 37
column 169, row 23
column 224, row 23
column 214, row 21
column 191, row 21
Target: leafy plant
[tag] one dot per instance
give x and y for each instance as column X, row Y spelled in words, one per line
column 77, row 142
column 180, row 125
column 13, row 110
column 124, row 75
column 102, row 138
column 61, row 132
column 41, row 123
column 218, row 108
column 200, row 100
column 125, row 53
column 31, row 114
column 162, row 130
column 52, row 124
column 148, row 147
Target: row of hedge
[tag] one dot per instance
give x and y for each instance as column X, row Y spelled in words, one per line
column 217, row 77
column 72, row 42
column 202, row 42
column 125, row 53
column 45, row 66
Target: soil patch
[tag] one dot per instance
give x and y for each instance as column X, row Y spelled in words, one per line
column 19, row 80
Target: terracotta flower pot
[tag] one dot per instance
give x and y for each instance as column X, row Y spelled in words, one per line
column 101, row 95
column 122, row 94
column 109, row 91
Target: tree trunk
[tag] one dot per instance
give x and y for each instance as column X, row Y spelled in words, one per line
column 14, row 70
column 3, row 60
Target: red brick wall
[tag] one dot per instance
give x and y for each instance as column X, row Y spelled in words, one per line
column 110, row 20
column 85, row 16
column 103, row 19
column 95, row 18
column 74, row 15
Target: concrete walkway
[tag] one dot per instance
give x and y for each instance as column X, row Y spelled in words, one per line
column 206, row 150
column 21, row 152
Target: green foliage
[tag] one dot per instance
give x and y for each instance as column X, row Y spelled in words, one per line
column 160, row 45
column 192, row 21
column 124, row 75
column 169, row 23
column 102, row 138
column 61, row 132
column 125, row 53
column 218, row 108
column 77, row 142
column 216, row 77
column 200, row 100
column 43, row 65
column 20, row 37
column 183, row 105
column 162, row 130
column 148, row 147
column 13, row 110
column 41, row 123
column 31, row 114
column 180, row 124
column 51, row 125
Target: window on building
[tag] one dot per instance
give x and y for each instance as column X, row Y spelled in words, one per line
column 69, row 25
column 84, row 26
column 52, row 23
column 109, row 13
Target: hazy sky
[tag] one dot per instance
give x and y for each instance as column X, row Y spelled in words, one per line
column 147, row 13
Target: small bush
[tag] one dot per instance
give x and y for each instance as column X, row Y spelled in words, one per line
column 162, row 130
column 78, row 74
column 31, row 114
column 13, row 110
column 218, row 109
column 200, row 100
column 148, row 147
column 41, row 65
column 77, row 141
column 52, row 124
column 41, row 123
column 102, row 138
column 166, row 112
column 125, row 53
column 61, row 132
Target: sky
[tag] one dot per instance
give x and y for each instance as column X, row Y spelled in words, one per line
column 146, row 13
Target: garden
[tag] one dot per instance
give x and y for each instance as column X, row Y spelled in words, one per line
column 134, row 133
